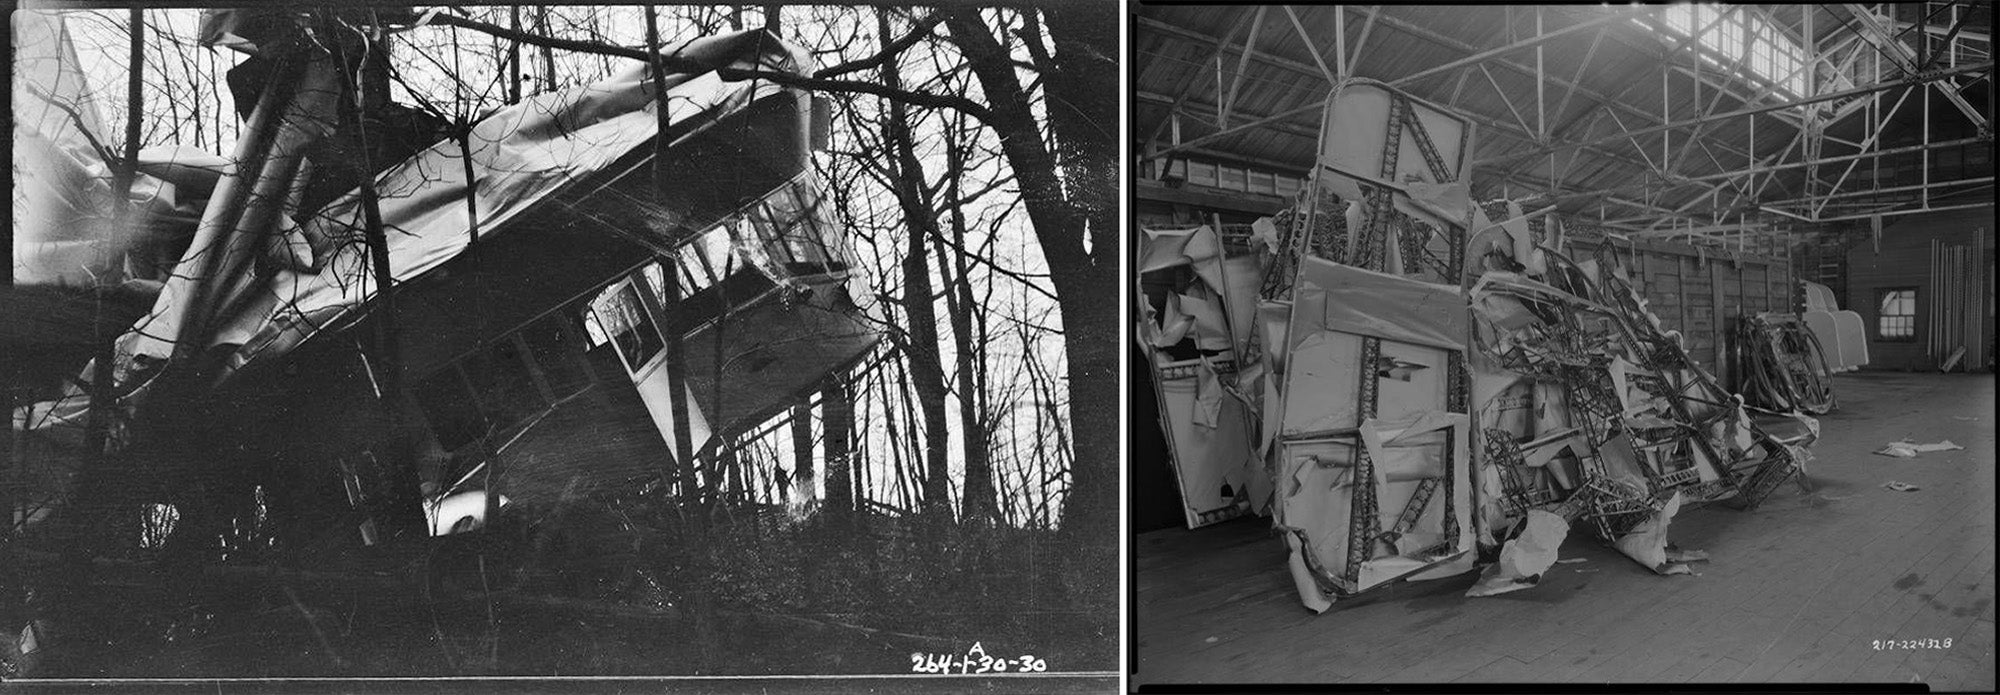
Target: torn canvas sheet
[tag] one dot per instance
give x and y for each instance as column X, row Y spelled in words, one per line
column 1450, row 201
column 1526, row 557
column 1315, row 599
column 1647, row 542
column 1411, row 459
column 1382, row 305
column 1212, row 462
column 1197, row 247
column 521, row 155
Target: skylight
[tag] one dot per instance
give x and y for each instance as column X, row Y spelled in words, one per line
column 1735, row 39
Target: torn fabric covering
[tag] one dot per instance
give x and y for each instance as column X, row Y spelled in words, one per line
column 1385, row 306
column 522, row 155
column 1196, row 247
column 1318, row 487
column 1647, row 542
column 1656, row 432
column 1212, row 462
column 1526, row 557
column 1206, row 401
column 62, row 204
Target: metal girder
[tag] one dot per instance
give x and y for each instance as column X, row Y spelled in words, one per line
column 1904, row 57
column 1186, row 89
column 1232, row 130
column 1873, row 138
column 1669, row 185
column 1306, row 37
column 1895, row 213
column 1354, row 62
column 1895, row 189
column 1791, row 165
column 1509, row 103
column 1205, row 112
column 1151, row 24
column 1600, row 103
column 1679, row 60
column 1830, row 96
column 1242, row 65
column 1930, row 29
column 1289, row 169
column 1525, row 43
column 1448, row 42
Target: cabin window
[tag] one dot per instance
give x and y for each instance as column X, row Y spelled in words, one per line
column 792, row 234
column 695, row 275
column 625, row 323
column 1897, row 319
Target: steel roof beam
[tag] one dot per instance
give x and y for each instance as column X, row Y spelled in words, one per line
column 1221, row 42
column 1536, row 40
column 1304, row 69
column 1313, row 72
column 1588, row 93
column 1790, row 165
column 1905, row 58
column 1830, row 96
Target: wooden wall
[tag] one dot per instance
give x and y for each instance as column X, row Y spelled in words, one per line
column 1904, row 261
column 1701, row 291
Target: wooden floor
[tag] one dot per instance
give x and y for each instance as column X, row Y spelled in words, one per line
column 1798, row 590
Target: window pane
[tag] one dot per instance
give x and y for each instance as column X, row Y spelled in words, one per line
column 693, row 271
column 621, row 315
column 1897, row 311
column 592, row 329
column 717, row 250
column 770, row 230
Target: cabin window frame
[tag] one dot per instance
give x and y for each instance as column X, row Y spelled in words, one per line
column 636, row 284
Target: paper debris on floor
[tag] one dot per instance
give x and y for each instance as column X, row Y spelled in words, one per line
column 1900, row 486
column 1909, row 449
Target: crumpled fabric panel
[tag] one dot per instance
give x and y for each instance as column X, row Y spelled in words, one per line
column 1344, row 298
column 1524, row 559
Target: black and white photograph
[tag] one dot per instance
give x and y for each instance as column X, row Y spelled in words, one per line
column 1504, row 346
column 772, row 347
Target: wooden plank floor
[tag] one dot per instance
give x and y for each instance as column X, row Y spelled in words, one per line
column 1797, row 591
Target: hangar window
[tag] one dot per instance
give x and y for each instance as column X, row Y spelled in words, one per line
column 1897, row 317
column 1748, row 43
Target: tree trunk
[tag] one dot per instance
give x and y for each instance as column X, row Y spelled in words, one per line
column 838, row 404
column 979, row 503
column 926, row 368
column 802, row 448
column 1077, row 235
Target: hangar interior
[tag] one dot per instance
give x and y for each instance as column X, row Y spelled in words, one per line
column 1636, row 343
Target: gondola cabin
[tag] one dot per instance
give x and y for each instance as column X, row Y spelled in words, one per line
column 534, row 358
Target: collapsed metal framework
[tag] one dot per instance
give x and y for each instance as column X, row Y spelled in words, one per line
column 1384, row 368
column 1736, row 192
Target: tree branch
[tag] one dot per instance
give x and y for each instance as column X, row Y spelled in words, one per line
column 945, row 101
column 918, row 33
